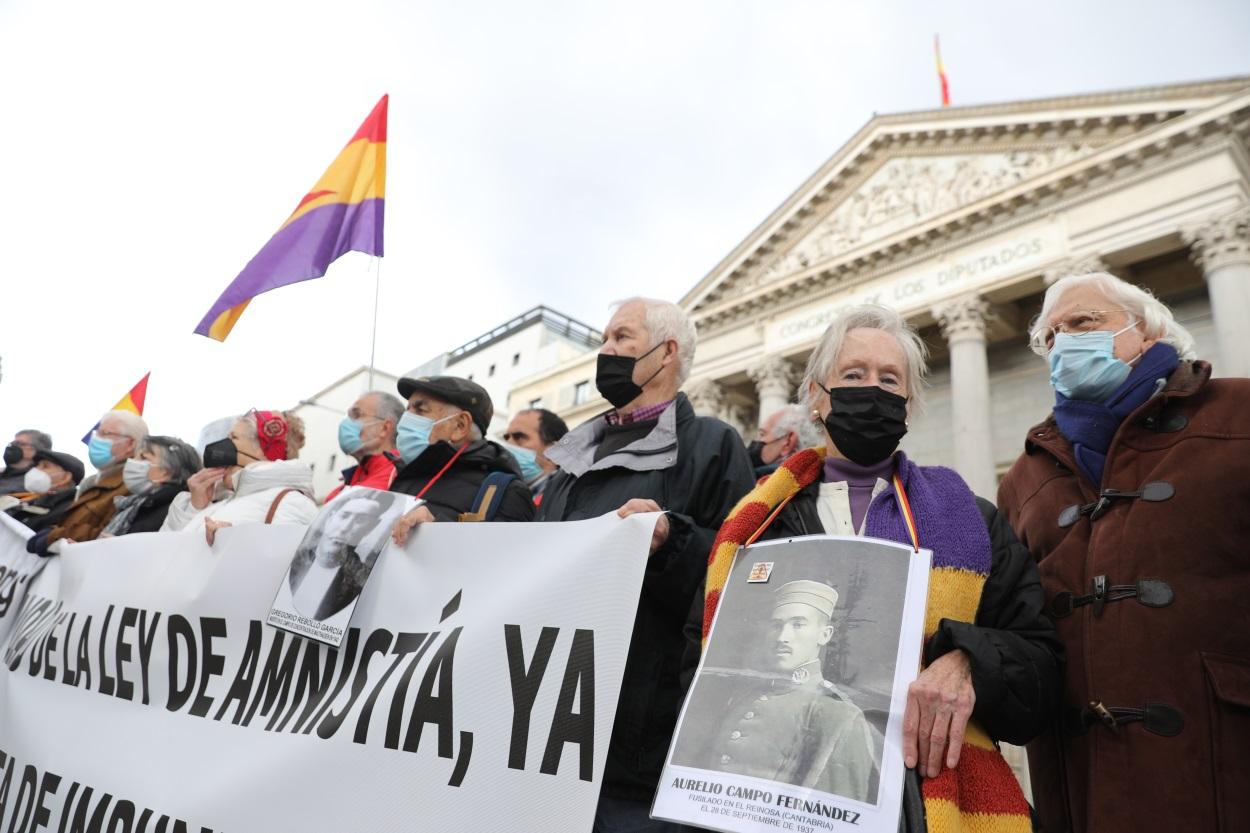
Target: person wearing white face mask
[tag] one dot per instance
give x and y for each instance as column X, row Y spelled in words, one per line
column 446, row 461
column 154, row 479
column 367, row 433
column 49, row 484
column 1134, row 498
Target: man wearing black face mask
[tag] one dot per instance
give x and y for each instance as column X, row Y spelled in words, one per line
column 649, row 453
column 19, row 458
column 780, row 435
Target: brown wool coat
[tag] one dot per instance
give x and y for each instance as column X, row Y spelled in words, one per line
column 1190, row 770
column 92, row 510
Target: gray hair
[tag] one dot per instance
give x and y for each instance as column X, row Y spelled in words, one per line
column 132, row 424
column 665, row 320
column 294, row 430
column 389, row 407
column 1156, row 319
column 177, row 457
column 796, row 419
column 824, row 358
column 38, row 439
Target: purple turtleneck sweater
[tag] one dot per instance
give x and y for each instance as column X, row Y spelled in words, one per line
column 860, row 481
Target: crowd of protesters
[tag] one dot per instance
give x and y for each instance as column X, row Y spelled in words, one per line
column 1092, row 619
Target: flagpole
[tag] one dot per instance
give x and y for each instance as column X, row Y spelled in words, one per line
column 377, row 287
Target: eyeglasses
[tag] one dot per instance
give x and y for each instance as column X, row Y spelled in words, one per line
column 1074, row 323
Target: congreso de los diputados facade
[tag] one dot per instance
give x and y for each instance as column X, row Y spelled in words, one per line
column 960, row 218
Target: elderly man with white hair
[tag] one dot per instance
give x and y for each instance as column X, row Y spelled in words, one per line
column 649, row 453
column 784, row 432
column 118, row 438
column 1134, row 497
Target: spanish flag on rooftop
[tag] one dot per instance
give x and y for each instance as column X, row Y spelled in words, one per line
column 342, row 213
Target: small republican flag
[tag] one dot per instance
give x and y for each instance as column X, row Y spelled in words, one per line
column 941, row 68
column 132, row 401
column 342, row 213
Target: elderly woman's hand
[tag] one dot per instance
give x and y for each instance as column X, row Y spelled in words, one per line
column 211, row 525
column 420, row 515
column 939, row 704
column 660, row 534
column 201, row 485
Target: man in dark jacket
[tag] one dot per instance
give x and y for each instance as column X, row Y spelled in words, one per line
column 48, row 505
column 446, row 461
column 19, row 458
column 649, row 453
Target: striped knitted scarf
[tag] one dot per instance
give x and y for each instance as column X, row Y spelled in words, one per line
column 981, row 794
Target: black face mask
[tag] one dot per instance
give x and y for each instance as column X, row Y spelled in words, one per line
column 755, row 451
column 614, row 377
column 12, row 454
column 865, row 423
column 221, row 455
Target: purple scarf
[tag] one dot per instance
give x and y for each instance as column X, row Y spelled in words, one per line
column 947, row 518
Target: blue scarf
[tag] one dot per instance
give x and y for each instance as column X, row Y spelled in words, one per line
column 1090, row 426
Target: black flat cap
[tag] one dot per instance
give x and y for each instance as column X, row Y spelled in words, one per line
column 66, row 461
column 453, row 390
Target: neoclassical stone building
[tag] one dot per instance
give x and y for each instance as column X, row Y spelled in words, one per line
column 960, row 218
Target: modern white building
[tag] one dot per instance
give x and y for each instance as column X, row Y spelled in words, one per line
column 322, row 413
column 529, row 344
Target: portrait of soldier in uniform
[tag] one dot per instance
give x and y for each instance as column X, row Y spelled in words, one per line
column 790, row 724
column 334, row 559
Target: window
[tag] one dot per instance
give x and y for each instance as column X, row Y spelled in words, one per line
column 535, row 404
column 491, row 372
column 516, row 359
column 581, row 392
column 333, row 458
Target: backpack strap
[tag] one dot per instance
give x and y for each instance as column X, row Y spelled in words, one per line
column 273, row 507
column 489, row 497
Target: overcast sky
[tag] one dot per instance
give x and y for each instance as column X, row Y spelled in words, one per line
column 558, row 153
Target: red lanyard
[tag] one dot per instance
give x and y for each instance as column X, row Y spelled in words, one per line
column 445, row 467
column 905, row 505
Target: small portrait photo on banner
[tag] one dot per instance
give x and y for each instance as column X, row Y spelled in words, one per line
column 333, row 562
column 797, row 690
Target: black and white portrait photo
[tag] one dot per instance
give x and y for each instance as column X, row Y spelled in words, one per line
column 797, row 676
column 333, row 561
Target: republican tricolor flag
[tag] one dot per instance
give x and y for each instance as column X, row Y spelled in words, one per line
column 941, row 69
column 342, row 213
column 132, row 401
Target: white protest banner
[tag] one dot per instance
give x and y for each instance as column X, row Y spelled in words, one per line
column 475, row 691
column 17, row 569
column 794, row 720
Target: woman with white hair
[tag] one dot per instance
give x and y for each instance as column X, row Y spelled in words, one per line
column 992, row 660
column 251, row 476
column 1134, row 497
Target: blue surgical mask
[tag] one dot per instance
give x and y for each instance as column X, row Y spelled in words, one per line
column 414, row 434
column 100, row 451
column 527, row 459
column 349, row 435
column 1083, row 365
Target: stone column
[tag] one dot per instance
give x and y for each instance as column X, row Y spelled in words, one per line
column 963, row 323
column 1222, row 248
column 1067, row 267
column 774, row 379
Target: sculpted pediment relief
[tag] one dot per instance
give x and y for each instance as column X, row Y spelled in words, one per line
column 906, row 191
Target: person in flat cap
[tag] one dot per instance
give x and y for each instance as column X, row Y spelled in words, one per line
column 446, row 460
column 794, row 726
column 49, row 489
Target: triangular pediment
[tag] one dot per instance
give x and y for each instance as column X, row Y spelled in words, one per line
column 905, row 171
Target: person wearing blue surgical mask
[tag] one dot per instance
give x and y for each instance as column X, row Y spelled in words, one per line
column 115, row 440
column 446, row 460
column 368, row 434
column 1133, row 496
column 530, row 433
